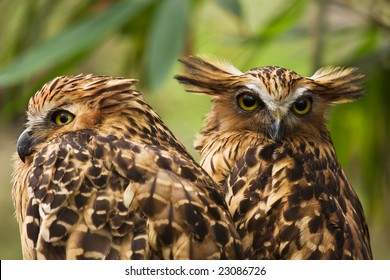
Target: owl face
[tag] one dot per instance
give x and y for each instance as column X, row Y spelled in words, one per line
column 272, row 101
column 75, row 103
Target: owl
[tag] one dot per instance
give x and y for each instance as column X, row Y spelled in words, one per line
column 97, row 175
column 265, row 141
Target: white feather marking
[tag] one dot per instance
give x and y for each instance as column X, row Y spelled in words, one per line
column 277, row 105
column 221, row 63
column 128, row 195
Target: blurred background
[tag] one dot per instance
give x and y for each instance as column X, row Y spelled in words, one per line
column 142, row 39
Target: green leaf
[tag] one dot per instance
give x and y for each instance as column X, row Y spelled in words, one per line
column 232, row 6
column 167, row 36
column 72, row 41
column 283, row 21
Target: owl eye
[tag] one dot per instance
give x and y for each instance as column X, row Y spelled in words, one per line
column 247, row 101
column 302, row 106
column 62, row 117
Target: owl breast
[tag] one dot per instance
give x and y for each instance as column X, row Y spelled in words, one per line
column 290, row 199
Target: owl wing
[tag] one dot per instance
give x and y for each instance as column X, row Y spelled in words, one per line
column 298, row 206
column 95, row 197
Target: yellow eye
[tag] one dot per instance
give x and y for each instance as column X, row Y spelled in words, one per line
column 247, row 101
column 302, row 106
column 62, row 117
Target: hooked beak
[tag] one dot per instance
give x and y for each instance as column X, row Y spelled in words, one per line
column 276, row 130
column 24, row 145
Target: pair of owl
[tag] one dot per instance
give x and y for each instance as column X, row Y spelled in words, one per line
column 98, row 175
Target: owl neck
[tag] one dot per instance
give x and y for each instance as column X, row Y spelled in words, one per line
column 140, row 122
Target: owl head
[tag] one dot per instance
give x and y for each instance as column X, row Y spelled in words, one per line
column 101, row 104
column 272, row 101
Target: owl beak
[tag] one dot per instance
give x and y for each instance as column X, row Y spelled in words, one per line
column 24, row 145
column 276, row 130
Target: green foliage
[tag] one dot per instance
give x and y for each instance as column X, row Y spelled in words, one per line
column 143, row 39
column 284, row 20
column 76, row 39
column 233, row 6
column 166, row 39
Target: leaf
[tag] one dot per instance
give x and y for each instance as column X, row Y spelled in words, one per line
column 232, row 6
column 282, row 21
column 72, row 41
column 167, row 36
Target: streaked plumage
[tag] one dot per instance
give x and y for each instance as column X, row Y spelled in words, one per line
column 266, row 142
column 99, row 176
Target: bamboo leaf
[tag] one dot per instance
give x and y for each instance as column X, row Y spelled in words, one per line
column 166, row 40
column 282, row 21
column 72, row 41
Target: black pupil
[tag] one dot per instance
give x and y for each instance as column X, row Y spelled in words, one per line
column 301, row 104
column 64, row 118
column 248, row 100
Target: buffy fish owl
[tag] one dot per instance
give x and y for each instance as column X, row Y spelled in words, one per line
column 265, row 141
column 99, row 176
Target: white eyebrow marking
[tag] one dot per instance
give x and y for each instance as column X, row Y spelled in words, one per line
column 270, row 101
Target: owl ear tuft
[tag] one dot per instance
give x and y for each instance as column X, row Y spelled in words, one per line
column 206, row 75
column 337, row 84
